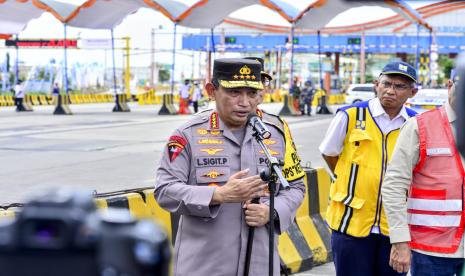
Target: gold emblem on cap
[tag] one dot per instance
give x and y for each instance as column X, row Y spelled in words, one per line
column 245, row 70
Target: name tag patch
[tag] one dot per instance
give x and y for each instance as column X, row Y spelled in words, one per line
column 438, row 151
column 211, row 161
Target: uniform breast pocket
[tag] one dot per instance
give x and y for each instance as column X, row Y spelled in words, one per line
column 359, row 138
column 441, row 155
column 213, row 176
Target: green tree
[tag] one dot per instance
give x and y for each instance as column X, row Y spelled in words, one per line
column 446, row 64
column 163, row 75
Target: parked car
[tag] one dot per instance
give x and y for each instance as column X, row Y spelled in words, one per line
column 360, row 92
column 427, row 99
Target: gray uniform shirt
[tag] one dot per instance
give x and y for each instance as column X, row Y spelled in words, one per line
column 398, row 179
column 212, row 240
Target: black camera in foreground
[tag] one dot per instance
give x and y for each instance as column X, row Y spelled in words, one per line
column 62, row 233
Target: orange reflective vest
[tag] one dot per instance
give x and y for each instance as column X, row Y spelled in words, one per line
column 435, row 201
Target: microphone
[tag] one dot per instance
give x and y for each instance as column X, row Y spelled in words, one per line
column 257, row 124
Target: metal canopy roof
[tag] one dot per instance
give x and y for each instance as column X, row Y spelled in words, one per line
column 318, row 14
column 106, row 14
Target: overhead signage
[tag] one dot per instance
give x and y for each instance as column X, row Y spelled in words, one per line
column 295, row 40
column 42, row 43
column 354, row 41
column 95, row 43
column 230, row 40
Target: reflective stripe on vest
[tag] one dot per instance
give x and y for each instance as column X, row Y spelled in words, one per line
column 435, row 205
column 435, row 220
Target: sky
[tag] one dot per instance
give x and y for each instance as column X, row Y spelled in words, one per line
column 139, row 26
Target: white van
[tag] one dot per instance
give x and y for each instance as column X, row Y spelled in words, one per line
column 360, row 92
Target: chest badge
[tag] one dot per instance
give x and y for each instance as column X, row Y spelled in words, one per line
column 269, row 142
column 272, row 152
column 210, row 141
column 202, row 131
column 213, row 174
column 211, row 151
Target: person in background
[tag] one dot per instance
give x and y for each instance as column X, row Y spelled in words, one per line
column 196, row 96
column 357, row 147
column 19, row 95
column 266, row 78
column 184, row 97
column 56, row 89
column 307, row 98
column 423, row 194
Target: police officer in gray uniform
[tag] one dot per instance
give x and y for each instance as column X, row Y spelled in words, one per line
column 209, row 175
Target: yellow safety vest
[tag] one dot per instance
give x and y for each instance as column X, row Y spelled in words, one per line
column 355, row 197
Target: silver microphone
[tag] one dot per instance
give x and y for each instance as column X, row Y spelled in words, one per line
column 257, row 124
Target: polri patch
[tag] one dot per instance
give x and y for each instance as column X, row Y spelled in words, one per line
column 176, row 145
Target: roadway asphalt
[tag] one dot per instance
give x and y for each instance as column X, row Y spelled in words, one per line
column 104, row 151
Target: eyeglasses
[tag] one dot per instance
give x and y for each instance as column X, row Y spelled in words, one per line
column 395, row 86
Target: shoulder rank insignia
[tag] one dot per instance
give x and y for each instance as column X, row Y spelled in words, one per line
column 213, row 174
column 211, row 151
column 176, row 145
column 214, row 121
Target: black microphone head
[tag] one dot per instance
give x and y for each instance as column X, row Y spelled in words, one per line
column 250, row 120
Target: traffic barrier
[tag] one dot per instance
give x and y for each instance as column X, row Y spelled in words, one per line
column 62, row 107
column 31, row 100
column 171, row 100
column 336, row 99
column 44, row 100
column 168, row 220
column 167, row 107
column 6, row 101
column 289, row 108
column 305, row 244
column 121, row 104
column 23, row 105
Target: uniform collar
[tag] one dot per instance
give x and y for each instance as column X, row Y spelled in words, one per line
column 450, row 112
column 377, row 110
